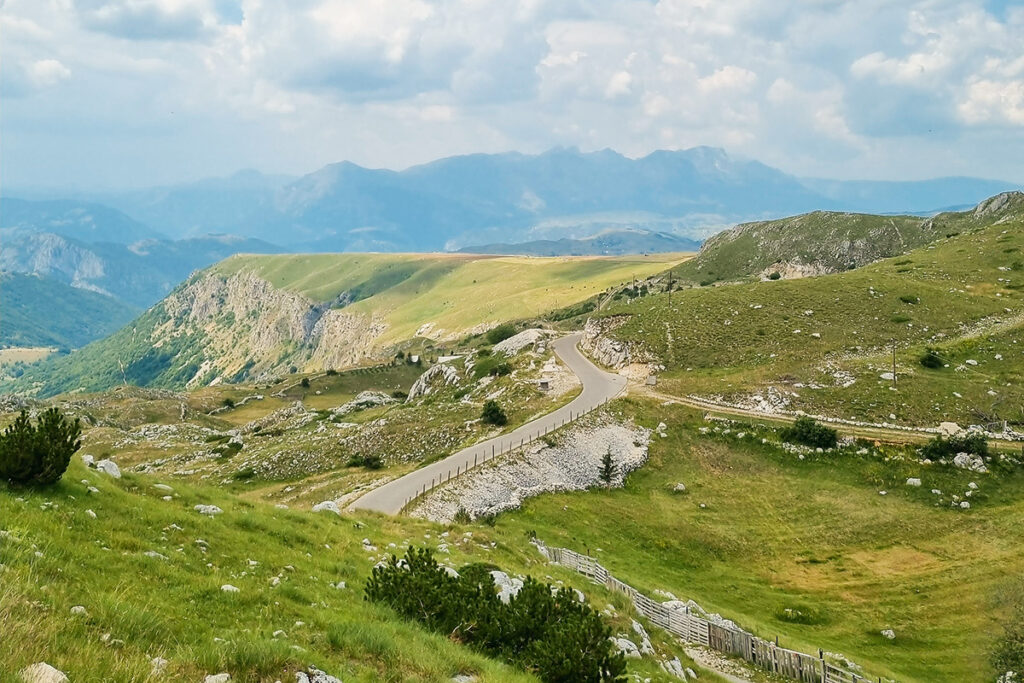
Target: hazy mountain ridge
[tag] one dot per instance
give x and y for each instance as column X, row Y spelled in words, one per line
column 608, row 243
column 512, row 197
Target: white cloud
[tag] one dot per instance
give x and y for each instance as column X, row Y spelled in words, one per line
column 993, row 102
column 48, row 72
column 837, row 87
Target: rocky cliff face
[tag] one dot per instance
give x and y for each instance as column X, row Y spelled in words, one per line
column 607, row 351
column 248, row 325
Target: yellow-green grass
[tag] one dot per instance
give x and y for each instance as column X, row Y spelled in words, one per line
column 454, row 292
column 55, row 556
column 26, row 354
column 813, row 535
column 737, row 338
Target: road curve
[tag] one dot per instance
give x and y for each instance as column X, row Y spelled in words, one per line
column 598, row 387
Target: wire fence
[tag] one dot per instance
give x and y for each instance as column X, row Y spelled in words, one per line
column 692, row 628
column 476, row 456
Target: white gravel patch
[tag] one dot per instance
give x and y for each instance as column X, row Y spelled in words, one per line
column 572, row 464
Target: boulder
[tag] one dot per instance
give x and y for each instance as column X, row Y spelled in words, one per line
column 315, row 675
column 42, row 672
column 970, row 461
column 627, row 647
column 109, row 467
column 913, row 481
column 949, row 428
column 507, row 586
column 327, row 506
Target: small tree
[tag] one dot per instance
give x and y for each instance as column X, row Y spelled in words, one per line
column 500, row 333
column 305, row 383
column 493, row 414
column 931, row 359
column 608, row 468
column 808, row 432
column 40, row 453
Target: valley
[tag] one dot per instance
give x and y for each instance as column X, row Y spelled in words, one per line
column 896, row 564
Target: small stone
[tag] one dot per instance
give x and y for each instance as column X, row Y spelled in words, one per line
column 218, row 678
column 228, row 588
column 78, row 610
column 91, row 514
column 913, row 481
column 209, row 510
column 158, row 664
column 964, row 505
column 679, row 488
column 889, row 633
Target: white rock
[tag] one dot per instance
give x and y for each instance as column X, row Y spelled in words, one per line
column 950, row 428
column 972, row 486
column 210, row 510
column 109, row 467
column 315, row 675
column 964, row 505
column 88, row 460
column 889, row 633
column 327, row 506
column 507, row 586
column 627, row 647
column 163, row 487
column 970, row 461
column 91, row 514
column 158, row 664
column 971, row 361
column 680, row 487
column 913, row 481
column 674, row 667
column 78, row 610
column 218, row 678
column 228, row 588
column 42, row 672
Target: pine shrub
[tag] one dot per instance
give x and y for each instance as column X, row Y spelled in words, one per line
column 545, row 632
column 493, row 414
column 40, row 453
column 809, row 432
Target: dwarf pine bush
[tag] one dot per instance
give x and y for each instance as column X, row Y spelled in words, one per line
column 38, row 453
column 546, row 632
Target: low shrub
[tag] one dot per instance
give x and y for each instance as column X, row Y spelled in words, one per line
column 493, row 414
column 941, row 447
column 370, row 462
column 931, row 359
column 38, row 453
column 809, row 432
column 540, row 630
column 500, row 333
column 776, row 275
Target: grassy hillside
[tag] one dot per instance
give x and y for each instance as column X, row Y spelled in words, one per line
column 452, row 292
column 760, row 530
column 264, row 316
column 36, row 311
column 823, row 343
column 810, row 244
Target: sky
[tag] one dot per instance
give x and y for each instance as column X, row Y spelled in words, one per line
column 120, row 93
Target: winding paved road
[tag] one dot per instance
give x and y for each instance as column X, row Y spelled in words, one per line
column 598, row 387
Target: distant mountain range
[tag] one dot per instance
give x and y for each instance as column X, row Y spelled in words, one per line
column 608, row 243
column 505, row 198
column 136, row 245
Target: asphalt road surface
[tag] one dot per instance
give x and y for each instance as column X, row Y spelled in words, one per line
column 598, row 387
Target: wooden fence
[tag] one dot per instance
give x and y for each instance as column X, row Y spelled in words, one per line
column 695, row 629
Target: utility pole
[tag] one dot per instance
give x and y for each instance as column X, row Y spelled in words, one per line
column 894, row 363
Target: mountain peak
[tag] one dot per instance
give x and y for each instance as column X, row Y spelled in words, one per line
column 1000, row 203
